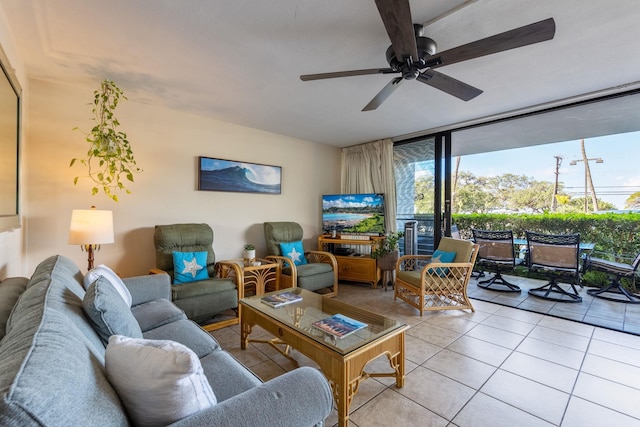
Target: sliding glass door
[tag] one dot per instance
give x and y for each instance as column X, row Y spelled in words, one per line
column 422, row 191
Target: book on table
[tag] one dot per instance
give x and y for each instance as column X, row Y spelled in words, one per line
column 339, row 325
column 279, row 300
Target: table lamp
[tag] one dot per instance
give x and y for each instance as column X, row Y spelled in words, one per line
column 90, row 228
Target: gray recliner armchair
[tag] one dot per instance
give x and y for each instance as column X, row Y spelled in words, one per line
column 201, row 300
column 319, row 274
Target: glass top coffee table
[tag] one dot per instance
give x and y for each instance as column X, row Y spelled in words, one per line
column 342, row 360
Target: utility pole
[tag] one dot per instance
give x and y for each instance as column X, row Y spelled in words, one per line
column 554, row 201
column 588, row 182
column 455, row 184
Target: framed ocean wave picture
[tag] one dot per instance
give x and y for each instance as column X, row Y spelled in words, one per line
column 244, row 177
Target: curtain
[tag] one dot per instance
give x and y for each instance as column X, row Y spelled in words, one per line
column 368, row 168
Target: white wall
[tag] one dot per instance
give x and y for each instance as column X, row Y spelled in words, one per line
column 166, row 144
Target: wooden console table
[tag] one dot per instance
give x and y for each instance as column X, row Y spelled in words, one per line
column 356, row 268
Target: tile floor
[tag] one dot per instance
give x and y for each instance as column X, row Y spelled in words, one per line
column 499, row 366
column 593, row 311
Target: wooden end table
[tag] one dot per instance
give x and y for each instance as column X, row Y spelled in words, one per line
column 256, row 279
column 342, row 360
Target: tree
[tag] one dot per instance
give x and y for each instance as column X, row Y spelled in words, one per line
column 576, row 204
column 424, row 195
column 471, row 195
column 633, row 201
column 534, row 198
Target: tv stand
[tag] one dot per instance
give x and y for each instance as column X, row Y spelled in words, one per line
column 357, row 266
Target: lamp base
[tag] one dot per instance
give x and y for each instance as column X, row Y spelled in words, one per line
column 90, row 248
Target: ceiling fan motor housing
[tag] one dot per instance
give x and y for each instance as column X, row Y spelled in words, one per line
column 415, row 56
column 410, row 69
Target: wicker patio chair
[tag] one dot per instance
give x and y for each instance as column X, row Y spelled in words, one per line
column 428, row 284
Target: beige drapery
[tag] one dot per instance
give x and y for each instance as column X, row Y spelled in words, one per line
column 368, row 168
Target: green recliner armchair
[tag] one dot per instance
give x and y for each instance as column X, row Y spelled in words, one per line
column 319, row 274
column 201, row 300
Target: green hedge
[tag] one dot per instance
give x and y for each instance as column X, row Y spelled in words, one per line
column 613, row 234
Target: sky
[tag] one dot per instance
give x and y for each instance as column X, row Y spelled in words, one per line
column 614, row 180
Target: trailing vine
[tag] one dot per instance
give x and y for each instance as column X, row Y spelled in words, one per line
column 109, row 159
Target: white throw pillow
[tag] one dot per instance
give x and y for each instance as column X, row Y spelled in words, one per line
column 159, row 381
column 113, row 278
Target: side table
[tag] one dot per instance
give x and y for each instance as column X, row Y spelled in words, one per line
column 256, row 279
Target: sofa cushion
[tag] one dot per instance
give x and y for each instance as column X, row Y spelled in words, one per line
column 10, row 290
column 189, row 267
column 187, row 333
column 108, row 312
column 155, row 313
column 159, row 381
column 112, row 278
column 52, row 360
column 227, row 376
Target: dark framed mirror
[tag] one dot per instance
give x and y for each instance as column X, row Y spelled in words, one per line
column 10, row 132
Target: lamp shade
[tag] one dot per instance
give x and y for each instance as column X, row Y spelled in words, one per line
column 91, row 226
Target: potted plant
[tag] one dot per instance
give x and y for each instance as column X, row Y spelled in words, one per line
column 249, row 254
column 386, row 253
column 109, row 158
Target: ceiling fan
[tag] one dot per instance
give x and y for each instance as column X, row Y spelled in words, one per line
column 414, row 56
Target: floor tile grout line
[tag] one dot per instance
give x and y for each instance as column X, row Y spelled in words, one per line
column 499, row 368
column 429, row 319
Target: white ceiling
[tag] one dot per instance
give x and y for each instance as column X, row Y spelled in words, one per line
column 239, row 61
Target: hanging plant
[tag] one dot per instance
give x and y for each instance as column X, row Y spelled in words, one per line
column 109, row 159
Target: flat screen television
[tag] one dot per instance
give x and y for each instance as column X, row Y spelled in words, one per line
column 353, row 213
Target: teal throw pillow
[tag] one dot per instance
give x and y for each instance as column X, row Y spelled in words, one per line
column 189, row 267
column 442, row 256
column 295, row 251
column 108, row 312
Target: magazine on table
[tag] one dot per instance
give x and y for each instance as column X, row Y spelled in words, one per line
column 339, row 325
column 279, row 300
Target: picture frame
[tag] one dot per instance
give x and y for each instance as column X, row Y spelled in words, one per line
column 10, row 136
column 216, row 174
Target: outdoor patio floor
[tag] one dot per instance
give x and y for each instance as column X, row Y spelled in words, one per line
column 498, row 366
column 593, row 311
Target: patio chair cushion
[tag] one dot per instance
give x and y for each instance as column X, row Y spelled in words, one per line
column 611, row 266
column 410, row 277
column 442, row 256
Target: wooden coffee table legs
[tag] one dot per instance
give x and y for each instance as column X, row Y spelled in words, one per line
column 344, row 372
column 345, row 383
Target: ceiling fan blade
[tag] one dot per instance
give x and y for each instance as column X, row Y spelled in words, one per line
column 307, row 77
column 449, row 85
column 396, row 16
column 383, row 94
column 522, row 36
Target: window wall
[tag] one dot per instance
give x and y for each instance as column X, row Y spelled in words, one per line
column 415, row 173
column 424, row 168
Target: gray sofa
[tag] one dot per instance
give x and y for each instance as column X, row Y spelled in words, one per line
column 52, row 361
